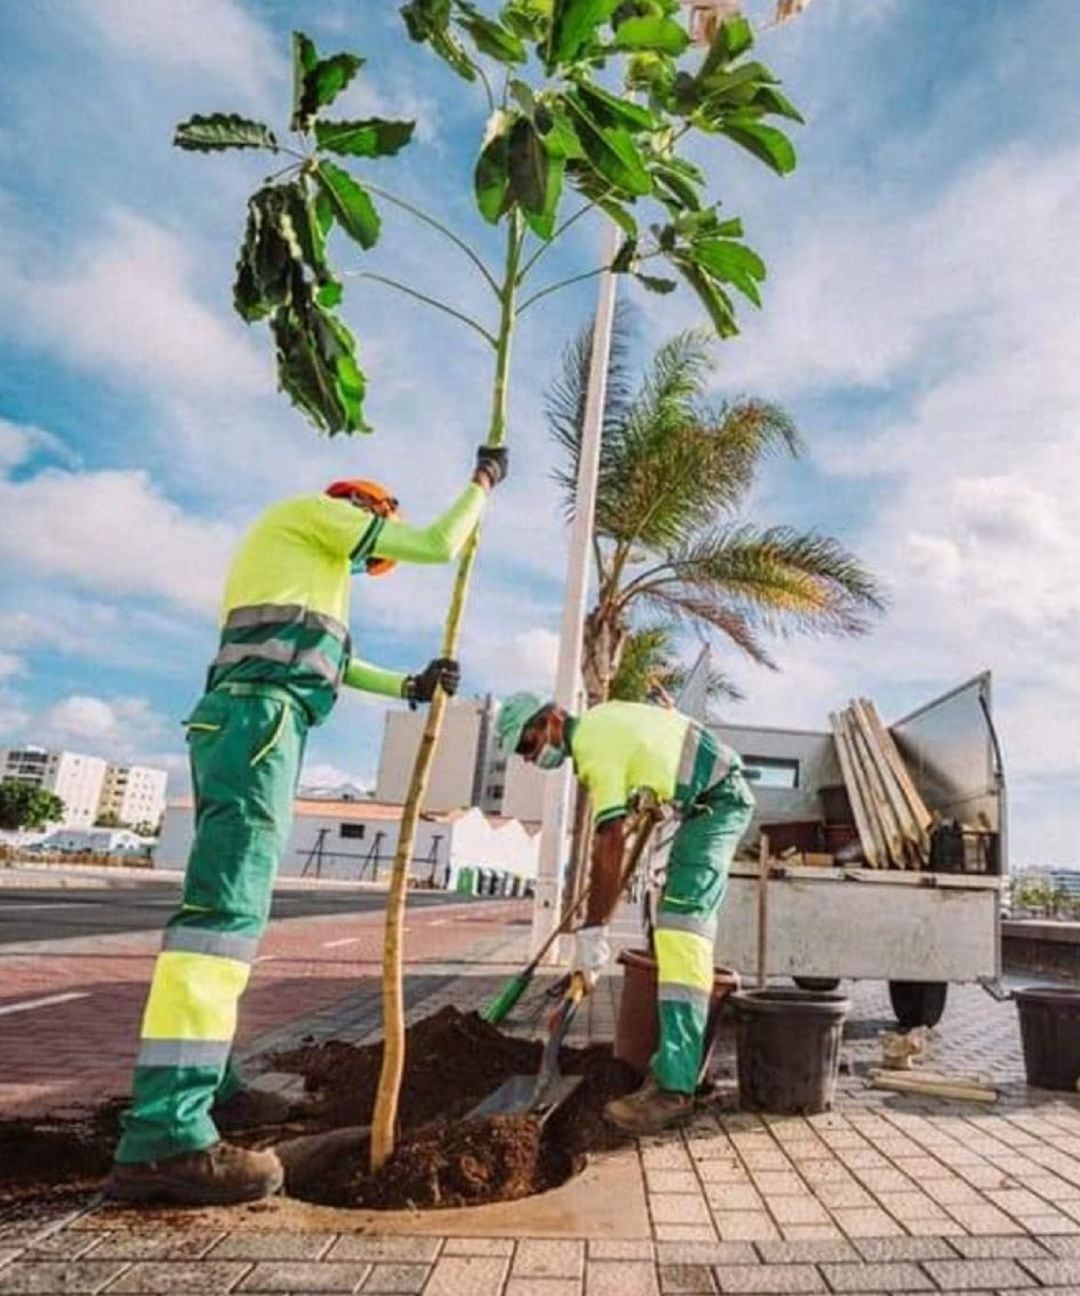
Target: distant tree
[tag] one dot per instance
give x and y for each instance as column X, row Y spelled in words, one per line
column 108, row 819
column 144, row 829
column 22, row 805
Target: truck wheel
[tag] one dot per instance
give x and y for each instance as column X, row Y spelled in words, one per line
column 918, row 1003
column 821, row 985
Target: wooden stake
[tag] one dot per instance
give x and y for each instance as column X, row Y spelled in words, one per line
column 861, row 803
column 907, row 828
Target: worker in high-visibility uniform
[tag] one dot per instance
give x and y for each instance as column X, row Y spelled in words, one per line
column 619, row 751
column 283, row 654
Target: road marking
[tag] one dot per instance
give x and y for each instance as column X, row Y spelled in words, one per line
column 438, row 922
column 266, row 958
column 28, row 1005
column 51, row 904
column 349, row 940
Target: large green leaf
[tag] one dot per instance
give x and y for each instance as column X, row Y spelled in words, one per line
column 767, row 143
column 573, row 26
column 371, row 137
column 732, row 262
column 317, row 367
column 772, row 101
column 611, row 110
column 610, row 151
column 527, row 18
column 304, row 58
column 528, row 166
column 350, row 202
column 267, row 264
column 489, row 37
column 492, row 177
column 324, row 82
column 223, row 131
column 594, row 187
column 682, row 191
column 428, row 21
column 560, row 137
column 733, row 38
column 710, row 294
column 660, row 35
column 307, row 230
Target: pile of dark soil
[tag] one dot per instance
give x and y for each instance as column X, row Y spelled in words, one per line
column 50, row 1156
column 453, row 1060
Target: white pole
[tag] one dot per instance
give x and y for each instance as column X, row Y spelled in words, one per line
column 554, row 833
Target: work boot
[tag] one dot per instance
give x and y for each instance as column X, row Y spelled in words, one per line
column 649, row 1109
column 251, row 1109
column 218, row 1176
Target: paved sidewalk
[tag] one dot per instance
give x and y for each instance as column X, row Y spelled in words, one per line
column 886, row 1194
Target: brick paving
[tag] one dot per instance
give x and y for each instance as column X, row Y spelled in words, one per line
column 888, row 1193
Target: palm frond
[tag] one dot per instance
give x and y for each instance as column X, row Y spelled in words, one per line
column 684, row 605
column 564, row 400
column 650, row 658
column 777, row 579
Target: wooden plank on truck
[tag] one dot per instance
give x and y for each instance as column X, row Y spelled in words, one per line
column 914, row 849
column 888, row 827
column 919, row 810
column 870, row 846
column 877, row 804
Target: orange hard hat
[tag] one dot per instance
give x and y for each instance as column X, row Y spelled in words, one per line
column 374, row 497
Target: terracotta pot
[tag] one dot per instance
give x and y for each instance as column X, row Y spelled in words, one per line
column 637, row 1030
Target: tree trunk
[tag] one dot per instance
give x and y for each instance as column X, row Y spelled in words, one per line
column 384, row 1119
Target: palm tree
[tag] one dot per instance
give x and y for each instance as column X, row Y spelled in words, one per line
column 669, row 541
column 650, row 666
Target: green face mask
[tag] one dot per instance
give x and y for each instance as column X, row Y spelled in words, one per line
column 551, row 756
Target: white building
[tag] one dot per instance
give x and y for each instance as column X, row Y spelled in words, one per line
column 468, row 770
column 457, row 773
column 97, row 841
column 76, row 779
column 356, row 840
column 133, row 794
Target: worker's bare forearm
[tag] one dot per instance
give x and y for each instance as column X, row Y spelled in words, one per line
column 606, row 875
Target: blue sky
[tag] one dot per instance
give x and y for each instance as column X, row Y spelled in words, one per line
column 920, row 323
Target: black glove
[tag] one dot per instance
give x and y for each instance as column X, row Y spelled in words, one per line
column 421, row 687
column 494, row 462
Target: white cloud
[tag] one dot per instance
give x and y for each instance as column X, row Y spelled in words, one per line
column 214, row 39
column 112, row 531
column 19, row 441
column 118, row 728
column 122, row 304
column 9, row 665
column 321, row 774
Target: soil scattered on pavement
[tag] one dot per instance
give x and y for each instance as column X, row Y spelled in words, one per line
column 453, row 1060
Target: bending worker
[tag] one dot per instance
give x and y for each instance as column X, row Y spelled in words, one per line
column 284, row 652
column 620, row 750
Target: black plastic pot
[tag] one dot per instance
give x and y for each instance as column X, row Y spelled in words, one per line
column 788, row 1045
column 1050, row 1029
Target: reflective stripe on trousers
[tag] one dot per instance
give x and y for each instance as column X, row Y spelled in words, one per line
column 685, row 933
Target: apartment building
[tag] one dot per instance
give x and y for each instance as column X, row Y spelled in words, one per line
column 134, row 794
column 76, row 779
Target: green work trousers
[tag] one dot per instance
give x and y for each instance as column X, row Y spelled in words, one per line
column 246, row 743
column 685, row 933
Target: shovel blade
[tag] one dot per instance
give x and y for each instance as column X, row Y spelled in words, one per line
column 521, row 1095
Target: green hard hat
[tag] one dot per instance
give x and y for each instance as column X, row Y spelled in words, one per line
column 514, row 715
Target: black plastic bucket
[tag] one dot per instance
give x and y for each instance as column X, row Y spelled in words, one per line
column 1050, row 1029
column 788, row 1049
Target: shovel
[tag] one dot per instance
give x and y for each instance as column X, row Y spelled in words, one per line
column 541, row 1094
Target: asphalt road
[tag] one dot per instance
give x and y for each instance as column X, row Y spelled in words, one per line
column 39, row 914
